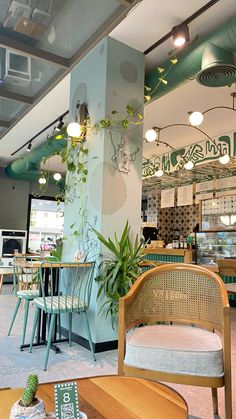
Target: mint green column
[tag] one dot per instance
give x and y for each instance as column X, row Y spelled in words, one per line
column 108, row 78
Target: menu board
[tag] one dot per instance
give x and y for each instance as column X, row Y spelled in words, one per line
column 226, row 182
column 167, row 198
column 185, row 195
column 204, row 186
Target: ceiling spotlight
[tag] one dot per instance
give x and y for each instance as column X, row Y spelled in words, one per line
column 151, row 135
column 180, row 34
column 60, row 125
column 29, row 146
column 42, row 180
column 74, row 130
column 189, row 165
column 57, row 176
column 159, row 173
column 224, row 159
column 195, row 118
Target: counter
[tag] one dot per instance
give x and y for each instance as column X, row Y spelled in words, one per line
column 168, row 255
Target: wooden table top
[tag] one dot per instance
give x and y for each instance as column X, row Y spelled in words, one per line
column 231, row 288
column 111, row 397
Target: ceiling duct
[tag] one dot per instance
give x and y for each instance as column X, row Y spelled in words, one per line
column 28, row 167
column 218, row 67
column 219, row 70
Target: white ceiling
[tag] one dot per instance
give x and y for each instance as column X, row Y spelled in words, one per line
column 144, row 25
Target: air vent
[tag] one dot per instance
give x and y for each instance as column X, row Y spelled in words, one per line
column 218, row 67
column 217, row 75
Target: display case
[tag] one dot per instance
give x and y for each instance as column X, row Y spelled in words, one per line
column 212, row 245
column 218, row 213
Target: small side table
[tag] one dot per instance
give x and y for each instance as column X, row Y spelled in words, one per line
column 4, row 271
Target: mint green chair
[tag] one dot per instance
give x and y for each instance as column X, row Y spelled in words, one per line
column 26, row 279
column 69, row 292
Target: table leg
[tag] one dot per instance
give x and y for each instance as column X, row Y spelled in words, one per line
column 1, row 282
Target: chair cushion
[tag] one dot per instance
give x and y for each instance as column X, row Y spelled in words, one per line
column 175, row 349
column 54, row 304
column 28, row 294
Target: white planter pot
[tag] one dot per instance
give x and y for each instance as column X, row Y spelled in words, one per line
column 21, row 412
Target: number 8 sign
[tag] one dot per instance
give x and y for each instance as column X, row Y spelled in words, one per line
column 66, row 401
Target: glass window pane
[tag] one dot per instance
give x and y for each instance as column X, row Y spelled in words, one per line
column 58, row 26
column 9, row 109
column 25, row 75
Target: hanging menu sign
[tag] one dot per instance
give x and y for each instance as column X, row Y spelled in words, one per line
column 185, row 195
column 204, row 186
column 226, row 182
column 167, row 198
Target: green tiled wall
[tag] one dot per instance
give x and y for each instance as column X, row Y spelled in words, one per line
column 164, row 258
column 229, row 280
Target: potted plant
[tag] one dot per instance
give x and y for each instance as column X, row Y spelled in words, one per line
column 118, row 270
column 29, row 406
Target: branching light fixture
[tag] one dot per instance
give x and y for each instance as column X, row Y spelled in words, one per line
column 154, row 134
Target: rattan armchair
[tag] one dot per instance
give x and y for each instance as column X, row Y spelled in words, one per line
column 157, row 337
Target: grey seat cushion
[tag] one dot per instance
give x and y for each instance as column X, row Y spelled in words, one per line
column 175, row 349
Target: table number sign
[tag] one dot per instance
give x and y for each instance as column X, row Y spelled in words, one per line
column 66, row 401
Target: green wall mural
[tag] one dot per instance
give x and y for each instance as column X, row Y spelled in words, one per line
column 198, row 153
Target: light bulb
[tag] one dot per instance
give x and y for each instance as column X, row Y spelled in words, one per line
column 178, row 42
column 57, row 176
column 224, row 159
column 189, row 165
column 151, row 135
column 74, row 129
column 196, row 118
column 42, row 180
column 159, row 173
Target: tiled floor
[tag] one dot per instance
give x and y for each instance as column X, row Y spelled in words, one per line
column 77, row 362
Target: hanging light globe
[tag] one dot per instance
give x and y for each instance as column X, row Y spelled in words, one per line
column 224, row 159
column 159, row 173
column 57, row 176
column 42, row 181
column 189, row 165
column 74, row 130
column 196, row 118
column 151, row 135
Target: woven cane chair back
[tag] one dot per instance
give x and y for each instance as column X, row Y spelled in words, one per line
column 180, row 293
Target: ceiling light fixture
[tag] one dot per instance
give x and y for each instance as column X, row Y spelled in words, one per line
column 189, row 165
column 151, row 135
column 29, row 146
column 159, row 173
column 180, row 34
column 154, row 134
column 42, row 181
column 224, row 159
column 57, row 176
column 76, row 129
column 195, row 118
column 60, row 125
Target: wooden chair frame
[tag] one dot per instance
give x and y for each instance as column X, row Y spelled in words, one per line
column 128, row 319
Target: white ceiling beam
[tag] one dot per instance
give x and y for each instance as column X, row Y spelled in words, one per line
column 31, row 51
column 16, row 96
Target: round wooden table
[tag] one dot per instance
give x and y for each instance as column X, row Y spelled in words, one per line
column 112, row 397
